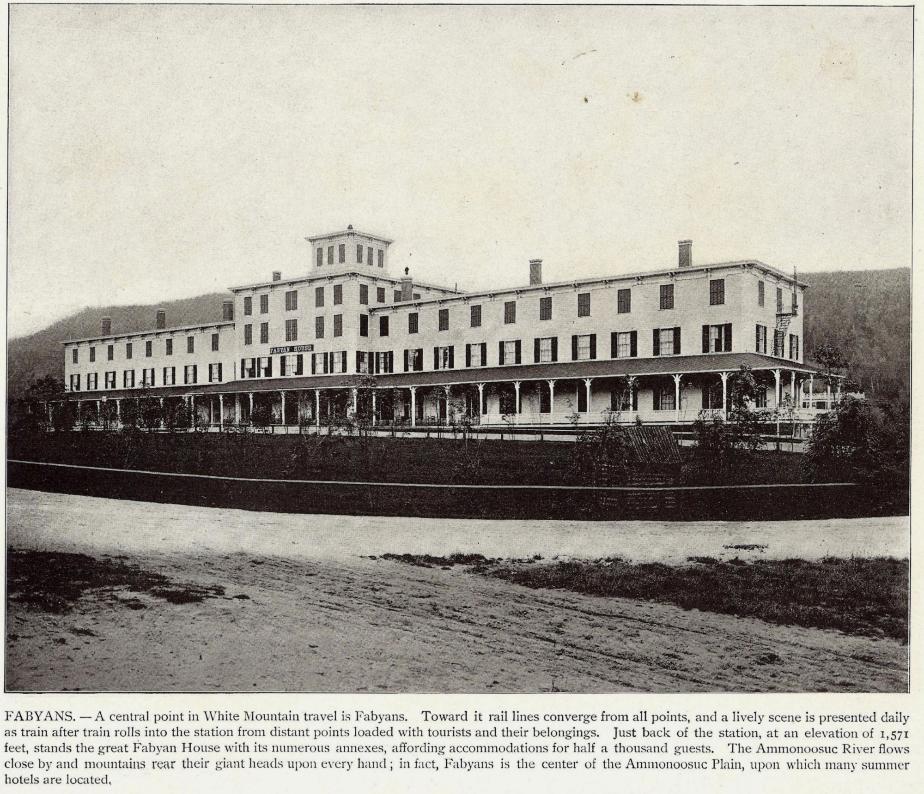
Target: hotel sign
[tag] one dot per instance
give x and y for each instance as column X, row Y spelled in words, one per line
column 291, row 349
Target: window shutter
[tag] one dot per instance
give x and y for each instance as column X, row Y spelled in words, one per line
column 633, row 346
column 728, row 337
column 269, row 367
column 574, row 347
column 452, row 361
column 359, row 359
column 484, row 354
column 757, row 338
column 613, row 344
column 405, row 360
column 677, row 340
column 282, row 365
column 593, row 346
column 313, row 368
column 500, row 353
column 242, row 368
column 468, row 356
column 705, row 341
column 536, row 350
column 517, row 352
column 554, row 348
column 436, row 358
column 655, row 343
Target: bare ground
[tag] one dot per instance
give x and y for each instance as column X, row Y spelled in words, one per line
column 345, row 623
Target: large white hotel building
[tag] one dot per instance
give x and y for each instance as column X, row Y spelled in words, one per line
column 657, row 345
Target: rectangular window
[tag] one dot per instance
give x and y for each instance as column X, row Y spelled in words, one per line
column 215, row 373
column 716, row 291
column 475, row 355
column 75, row 382
column 381, row 254
column 248, row 368
column 760, row 340
column 760, row 293
column 291, row 330
column 384, row 363
column 338, row 361
column 264, row 333
column 717, row 338
column 583, row 347
column 624, row 301
column 147, row 377
column 510, row 351
column 168, row 347
column 110, row 379
column 583, row 308
column 92, row 354
column 319, row 327
column 264, row 367
column 319, row 296
column 779, row 339
column 369, row 256
column 190, row 344
column 128, row 350
column 291, row 300
column 383, row 326
column 779, row 300
column 413, row 360
column 93, row 381
column 363, row 362
column 444, row 319
column 364, row 294
column 264, row 304
column 397, row 295
column 664, row 398
column 667, row 296
column 169, row 376
column 545, row 308
column 380, row 294
column 794, row 347
column 443, row 357
column 320, row 257
column 510, row 312
column 319, row 364
column 666, row 342
column 214, row 343
column 248, row 306
column 341, row 253
column 148, row 349
column 330, row 254
column 338, row 325
column 412, row 322
column 128, row 379
column 760, row 397
column 545, row 348
column 623, row 344
column 74, row 355
column 359, row 254
column 110, row 350
column 475, row 316
column 248, row 334
column 364, row 325
column 189, row 374
column 291, row 364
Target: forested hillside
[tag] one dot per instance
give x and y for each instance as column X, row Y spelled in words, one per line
column 867, row 314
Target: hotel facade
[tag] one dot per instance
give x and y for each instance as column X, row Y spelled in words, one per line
column 660, row 346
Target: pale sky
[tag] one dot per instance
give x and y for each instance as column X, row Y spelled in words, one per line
column 162, row 152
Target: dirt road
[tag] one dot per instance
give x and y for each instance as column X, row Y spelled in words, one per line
column 340, row 622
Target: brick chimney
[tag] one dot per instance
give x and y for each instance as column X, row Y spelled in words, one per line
column 227, row 310
column 535, row 271
column 105, row 326
column 277, row 275
column 161, row 320
column 407, row 286
column 685, row 253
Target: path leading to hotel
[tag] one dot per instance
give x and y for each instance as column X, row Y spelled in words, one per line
column 318, row 616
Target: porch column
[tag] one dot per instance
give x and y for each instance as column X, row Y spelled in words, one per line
column 724, row 377
column 221, row 411
column 211, row 410
column 317, row 408
column 587, row 382
column 355, row 395
column 446, row 392
column 413, row 406
column 282, row 409
column 630, row 380
column 99, row 419
column 677, row 397
column 373, row 407
column 837, row 394
column 776, row 375
column 192, row 409
column 163, row 421
column 250, row 398
column 516, row 403
column 118, row 412
column 792, row 387
column 828, row 396
column 48, row 408
column 551, row 383
column 481, row 399
column 237, row 409
column 812, row 390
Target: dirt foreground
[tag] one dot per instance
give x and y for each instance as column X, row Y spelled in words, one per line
column 294, row 607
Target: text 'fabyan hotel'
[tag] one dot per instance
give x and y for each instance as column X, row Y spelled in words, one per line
column 656, row 345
